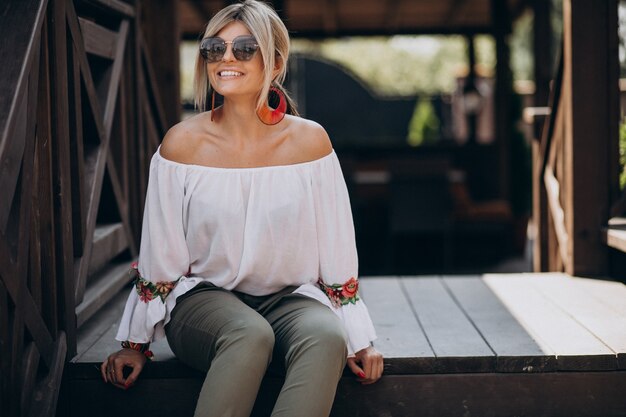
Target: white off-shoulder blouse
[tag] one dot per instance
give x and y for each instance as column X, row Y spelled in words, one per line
column 254, row 230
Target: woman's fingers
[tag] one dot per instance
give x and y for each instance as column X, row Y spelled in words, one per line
column 103, row 370
column 369, row 366
column 133, row 375
column 112, row 369
column 355, row 368
column 371, row 361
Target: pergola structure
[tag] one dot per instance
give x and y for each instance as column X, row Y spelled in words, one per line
column 369, row 17
column 88, row 88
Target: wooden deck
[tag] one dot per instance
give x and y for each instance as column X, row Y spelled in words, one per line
column 491, row 345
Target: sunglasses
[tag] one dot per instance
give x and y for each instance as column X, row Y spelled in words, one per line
column 243, row 47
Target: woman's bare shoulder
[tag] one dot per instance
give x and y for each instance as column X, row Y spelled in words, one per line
column 181, row 140
column 310, row 138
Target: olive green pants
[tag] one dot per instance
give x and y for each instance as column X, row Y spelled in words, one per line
column 233, row 337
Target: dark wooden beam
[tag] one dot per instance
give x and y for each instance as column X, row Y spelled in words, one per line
column 111, row 7
column 453, row 11
column 163, row 47
column 201, row 9
column 503, row 90
column 543, row 53
column 330, row 21
column 392, row 17
column 60, row 132
column 22, row 35
column 321, row 34
column 591, row 106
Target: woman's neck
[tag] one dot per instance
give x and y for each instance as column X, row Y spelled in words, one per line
column 238, row 117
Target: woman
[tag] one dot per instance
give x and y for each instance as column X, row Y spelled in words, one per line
column 247, row 248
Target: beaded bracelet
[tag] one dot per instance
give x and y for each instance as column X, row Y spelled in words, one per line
column 139, row 347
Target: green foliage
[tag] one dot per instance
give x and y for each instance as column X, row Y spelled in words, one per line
column 396, row 65
column 424, row 125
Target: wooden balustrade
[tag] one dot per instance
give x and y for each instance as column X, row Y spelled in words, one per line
column 576, row 161
column 79, row 118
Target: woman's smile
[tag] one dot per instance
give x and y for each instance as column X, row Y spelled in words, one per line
column 228, row 74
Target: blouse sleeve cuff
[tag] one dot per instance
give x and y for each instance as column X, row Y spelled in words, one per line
column 145, row 312
column 358, row 325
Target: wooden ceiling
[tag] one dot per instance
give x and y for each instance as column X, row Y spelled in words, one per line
column 329, row 18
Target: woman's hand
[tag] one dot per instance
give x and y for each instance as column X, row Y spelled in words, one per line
column 367, row 365
column 112, row 368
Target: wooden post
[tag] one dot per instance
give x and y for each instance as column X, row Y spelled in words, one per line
column 162, row 36
column 543, row 51
column 501, row 22
column 591, row 115
column 61, row 171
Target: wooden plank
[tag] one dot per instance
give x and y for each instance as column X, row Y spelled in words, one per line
column 151, row 83
column 90, row 88
column 99, row 40
column 608, row 325
column 515, row 349
column 57, row 48
column 26, row 311
column 116, row 73
column 611, row 294
column 162, row 47
column 34, row 257
column 589, row 77
column 16, row 341
column 11, row 158
column 115, row 7
column 106, row 344
column 94, row 163
column 553, row 329
column 110, row 98
column 17, row 79
column 49, row 310
column 615, row 234
column 77, row 154
column 22, row 35
column 107, row 284
column 579, row 394
column 91, row 332
column 122, row 204
column 399, row 333
column 501, row 26
column 108, row 241
column 47, row 391
column 5, row 364
column 445, row 325
column 28, row 376
column 96, row 337
column 123, row 156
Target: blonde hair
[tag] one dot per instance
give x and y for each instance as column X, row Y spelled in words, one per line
column 272, row 37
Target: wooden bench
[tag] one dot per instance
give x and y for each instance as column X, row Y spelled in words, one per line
column 491, row 345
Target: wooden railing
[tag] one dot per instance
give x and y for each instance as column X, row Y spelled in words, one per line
column 79, row 119
column 576, row 159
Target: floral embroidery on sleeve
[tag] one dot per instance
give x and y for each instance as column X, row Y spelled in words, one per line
column 148, row 290
column 341, row 294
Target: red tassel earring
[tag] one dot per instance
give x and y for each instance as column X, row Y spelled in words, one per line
column 271, row 116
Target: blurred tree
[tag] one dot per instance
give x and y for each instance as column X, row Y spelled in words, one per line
column 424, row 125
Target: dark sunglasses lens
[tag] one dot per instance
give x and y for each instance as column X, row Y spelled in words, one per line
column 212, row 49
column 244, row 49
